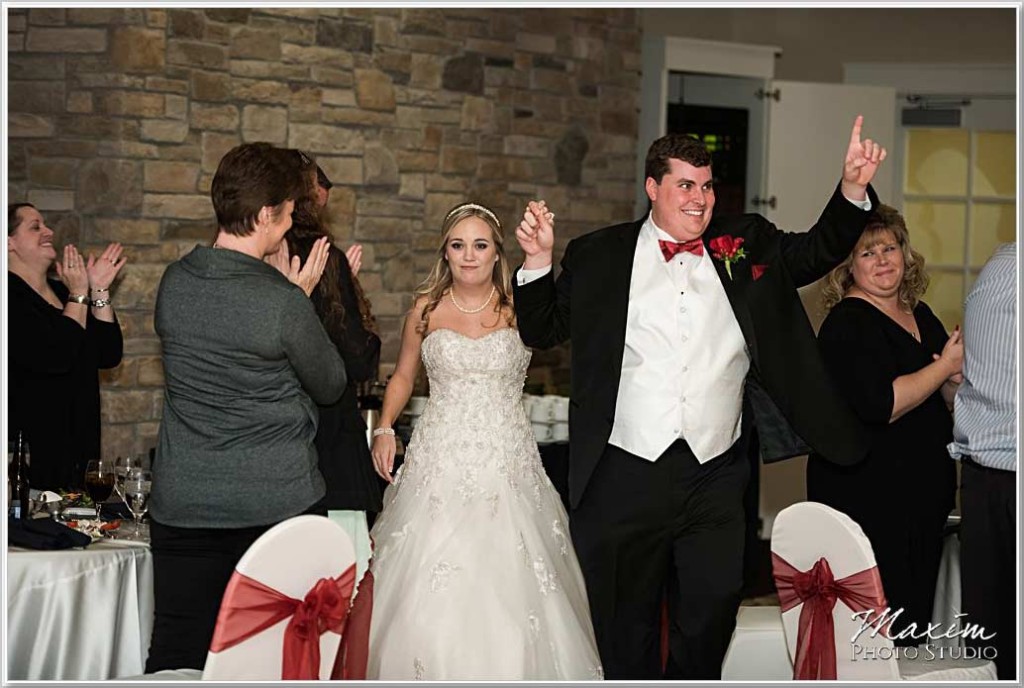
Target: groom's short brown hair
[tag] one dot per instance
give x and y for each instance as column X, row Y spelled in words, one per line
column 679, row 146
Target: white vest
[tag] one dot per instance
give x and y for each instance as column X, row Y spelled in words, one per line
column 685, row 359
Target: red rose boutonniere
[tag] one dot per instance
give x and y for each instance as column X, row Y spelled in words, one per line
column 728, row 249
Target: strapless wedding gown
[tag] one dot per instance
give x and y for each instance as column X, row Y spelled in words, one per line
column 474, row 573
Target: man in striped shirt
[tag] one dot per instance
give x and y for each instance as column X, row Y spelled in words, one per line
column 985, row 442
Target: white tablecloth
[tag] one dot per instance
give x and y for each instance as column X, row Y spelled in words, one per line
column 79, row 614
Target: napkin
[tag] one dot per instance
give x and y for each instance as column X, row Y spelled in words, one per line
column 43, row 533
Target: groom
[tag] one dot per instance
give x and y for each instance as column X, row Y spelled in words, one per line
column 685, row 330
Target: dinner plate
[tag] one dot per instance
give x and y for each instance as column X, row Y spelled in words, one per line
column 94, row 529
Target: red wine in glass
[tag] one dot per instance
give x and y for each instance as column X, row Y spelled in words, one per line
column 99, row 483
column 99, row 486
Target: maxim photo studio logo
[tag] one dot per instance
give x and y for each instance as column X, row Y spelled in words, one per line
column 930, row 640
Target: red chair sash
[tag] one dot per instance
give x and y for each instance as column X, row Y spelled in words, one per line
column 818, row 590
column 350, row 664
column 250, row 607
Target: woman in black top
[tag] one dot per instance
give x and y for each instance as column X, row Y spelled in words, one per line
column 341, row 444
column 895, row 364
column 60, row 333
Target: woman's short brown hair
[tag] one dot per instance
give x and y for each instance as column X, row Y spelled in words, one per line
column 248, row 178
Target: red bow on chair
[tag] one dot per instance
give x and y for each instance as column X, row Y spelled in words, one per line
column 354, row 653
column 818, row 590
column 250, row 607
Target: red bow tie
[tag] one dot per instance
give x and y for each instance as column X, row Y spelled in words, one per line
column 671, row 248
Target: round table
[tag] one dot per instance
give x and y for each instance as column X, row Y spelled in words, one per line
column 79, row 614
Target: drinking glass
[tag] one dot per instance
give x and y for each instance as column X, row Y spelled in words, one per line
column 137, row 485
column 121, row 466
column 99, row 482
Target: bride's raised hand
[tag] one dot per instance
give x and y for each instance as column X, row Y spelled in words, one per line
column 383, row 453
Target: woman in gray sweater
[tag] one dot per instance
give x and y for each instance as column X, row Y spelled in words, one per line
column 246, row 361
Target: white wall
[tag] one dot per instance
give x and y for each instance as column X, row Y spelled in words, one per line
column 816, row 42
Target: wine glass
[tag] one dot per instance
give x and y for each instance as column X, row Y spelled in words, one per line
column 137, row 483
column 121, row 466
column 99, row 482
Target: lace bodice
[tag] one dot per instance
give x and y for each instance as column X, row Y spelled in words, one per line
column 474, row 426
column 485, row 374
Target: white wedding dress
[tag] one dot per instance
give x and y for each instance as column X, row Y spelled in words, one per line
column 474, row 573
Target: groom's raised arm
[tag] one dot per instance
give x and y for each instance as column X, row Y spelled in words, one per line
column 812, row 254
column 541, row 303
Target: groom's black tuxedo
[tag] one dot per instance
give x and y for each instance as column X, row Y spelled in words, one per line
column 788, row 391
column 676, row 525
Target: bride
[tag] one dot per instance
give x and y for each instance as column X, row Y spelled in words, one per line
column 474, row 572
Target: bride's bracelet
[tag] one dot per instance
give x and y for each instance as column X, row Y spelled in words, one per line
column 384, row 431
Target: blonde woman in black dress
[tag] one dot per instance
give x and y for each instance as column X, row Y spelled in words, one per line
column 894, row 362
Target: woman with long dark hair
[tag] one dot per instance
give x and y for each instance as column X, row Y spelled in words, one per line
column 353, row 490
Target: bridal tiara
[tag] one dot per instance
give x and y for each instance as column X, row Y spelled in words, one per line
column 473, row 206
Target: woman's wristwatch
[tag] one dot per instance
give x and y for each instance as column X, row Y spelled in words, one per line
column 383, row 431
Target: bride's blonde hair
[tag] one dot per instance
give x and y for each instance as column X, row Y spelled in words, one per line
column 439, row 281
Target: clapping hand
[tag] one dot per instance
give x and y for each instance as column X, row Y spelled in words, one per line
column 861, row 163
column 104, row 269
column 536, row 234
column 72, row 271
column 305, row 276
column 354, row 254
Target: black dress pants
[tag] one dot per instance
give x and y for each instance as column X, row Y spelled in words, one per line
column 675, row 526
column 988, row 559
column 191, row 569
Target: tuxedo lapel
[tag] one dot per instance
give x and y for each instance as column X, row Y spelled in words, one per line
column 735, row 285
column 619, row 274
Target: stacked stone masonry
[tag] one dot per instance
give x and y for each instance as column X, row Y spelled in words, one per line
column 117, row 118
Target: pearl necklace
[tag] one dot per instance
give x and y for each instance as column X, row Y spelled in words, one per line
column 471, row 311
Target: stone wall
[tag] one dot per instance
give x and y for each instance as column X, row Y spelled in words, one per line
column 118, row 118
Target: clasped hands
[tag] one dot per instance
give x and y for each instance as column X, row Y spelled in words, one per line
column 536, row 235
column 952, row 357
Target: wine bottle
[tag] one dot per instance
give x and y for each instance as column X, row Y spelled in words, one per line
column 17, row 474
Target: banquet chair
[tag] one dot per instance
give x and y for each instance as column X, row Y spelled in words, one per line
column 757, row 650
column 284, row 609
column 825, row 572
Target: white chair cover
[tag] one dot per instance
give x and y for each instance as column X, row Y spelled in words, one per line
column 808, row 531
column 757, row 651
column 290, row 558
